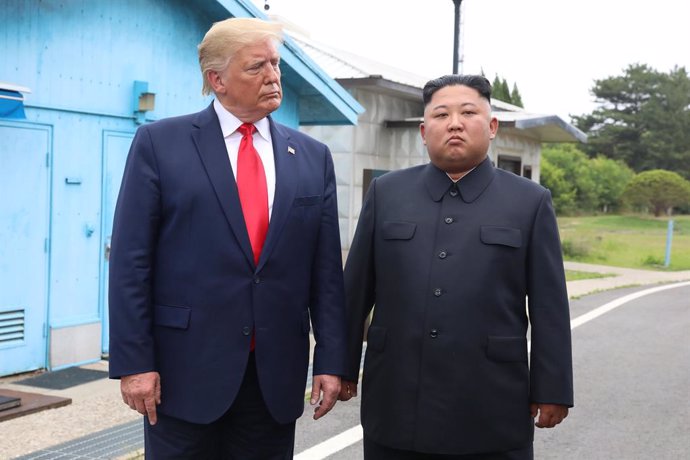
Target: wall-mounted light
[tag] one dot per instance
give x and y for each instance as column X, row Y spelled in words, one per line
column 143, row 101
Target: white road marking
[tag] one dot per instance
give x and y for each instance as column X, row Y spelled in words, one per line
column 332, row 445
column 589, row 316
column 355, row 434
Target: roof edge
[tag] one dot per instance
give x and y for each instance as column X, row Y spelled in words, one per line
column 545, row 120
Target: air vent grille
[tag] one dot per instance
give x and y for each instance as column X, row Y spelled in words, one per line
column 11, row 326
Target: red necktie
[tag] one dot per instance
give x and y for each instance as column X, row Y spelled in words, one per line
column 251, row 184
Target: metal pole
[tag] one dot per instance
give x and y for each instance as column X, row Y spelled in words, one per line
column 669, row 239
column 456, row 38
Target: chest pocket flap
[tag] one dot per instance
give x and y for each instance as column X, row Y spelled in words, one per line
column 398, row 230
column 307, row 200
column 506, row 236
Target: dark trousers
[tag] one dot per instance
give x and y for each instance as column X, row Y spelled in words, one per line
column 376, row 451
column 245, row 432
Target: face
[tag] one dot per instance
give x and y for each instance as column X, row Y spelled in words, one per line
column 457, row 129
column 250, row 85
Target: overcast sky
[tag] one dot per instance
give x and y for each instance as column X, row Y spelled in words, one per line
column 553, row 50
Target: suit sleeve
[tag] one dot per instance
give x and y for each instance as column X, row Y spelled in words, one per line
column 551, row 374
column 135, row 228
column 360, row 279
column 327, row 297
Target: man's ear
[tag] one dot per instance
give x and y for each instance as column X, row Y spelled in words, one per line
column 493, row 127
column 421, row 132
column 215, row 81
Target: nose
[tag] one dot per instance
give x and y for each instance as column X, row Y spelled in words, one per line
column 271, row 73
column 455, row 123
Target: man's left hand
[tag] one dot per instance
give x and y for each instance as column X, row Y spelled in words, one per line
column 550, row 415
column 327, row 386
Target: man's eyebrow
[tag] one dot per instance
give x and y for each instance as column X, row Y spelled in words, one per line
column 445, row 106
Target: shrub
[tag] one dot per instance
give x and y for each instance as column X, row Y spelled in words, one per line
column 574, row 249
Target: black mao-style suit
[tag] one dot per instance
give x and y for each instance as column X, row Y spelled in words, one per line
column 449, row 268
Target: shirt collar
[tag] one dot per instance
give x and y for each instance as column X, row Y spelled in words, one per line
column 229, row 122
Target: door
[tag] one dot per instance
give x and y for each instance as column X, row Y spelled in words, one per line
column 115, row 149
column 24, row 248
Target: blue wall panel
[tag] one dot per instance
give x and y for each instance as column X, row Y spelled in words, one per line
column 86, row 55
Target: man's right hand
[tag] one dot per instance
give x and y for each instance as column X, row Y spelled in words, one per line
column 142, row 392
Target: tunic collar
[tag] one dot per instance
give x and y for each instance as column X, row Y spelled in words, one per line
column 470, row 186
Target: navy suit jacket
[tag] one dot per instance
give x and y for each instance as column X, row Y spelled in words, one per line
column 184, row 291
column 446, row 368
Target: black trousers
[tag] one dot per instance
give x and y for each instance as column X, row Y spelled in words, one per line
column 376, row 451
column 245, row 432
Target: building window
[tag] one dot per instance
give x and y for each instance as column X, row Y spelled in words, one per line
column 527, row 171
column 509, row 163
column 369, row 175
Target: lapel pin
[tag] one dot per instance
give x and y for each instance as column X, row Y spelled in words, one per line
column 291, row 151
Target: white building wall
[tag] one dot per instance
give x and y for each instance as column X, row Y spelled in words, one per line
column 510, row 142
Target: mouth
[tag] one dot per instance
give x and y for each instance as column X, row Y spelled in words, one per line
column 455, row 140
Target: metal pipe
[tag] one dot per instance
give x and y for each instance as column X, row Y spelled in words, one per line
column 669, row 239
column 456, row 38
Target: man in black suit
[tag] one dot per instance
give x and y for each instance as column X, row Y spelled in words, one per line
column 449, row 252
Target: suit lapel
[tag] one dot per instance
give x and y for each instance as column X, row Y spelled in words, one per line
column 210, row 145
column 287, row 176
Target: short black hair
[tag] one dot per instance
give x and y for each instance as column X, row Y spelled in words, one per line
column 477, row 82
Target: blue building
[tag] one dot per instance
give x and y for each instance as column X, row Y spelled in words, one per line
column 76, row 79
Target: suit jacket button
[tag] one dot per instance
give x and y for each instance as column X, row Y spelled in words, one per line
column 246, row 330
column 257, row 280
column 437, row 292
column 433, row 333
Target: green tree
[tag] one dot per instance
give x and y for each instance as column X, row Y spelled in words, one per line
column 576, row 171
column 562, row 192
column 643, row 119
column 498, row 92
column 658, row 190
column 610, row 178
column 515, row 97
column 505, row 90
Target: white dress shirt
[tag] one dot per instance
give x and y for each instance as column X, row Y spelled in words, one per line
column 262, row 143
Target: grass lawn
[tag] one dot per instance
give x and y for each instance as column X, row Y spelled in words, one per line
column 574, row 275
column 633, row 241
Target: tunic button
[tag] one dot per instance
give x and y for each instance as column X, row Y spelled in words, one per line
column 437, row 292
column 453, row 192
column 448, row 220
column 433, row 333
column 442, row 255
column 246, row 330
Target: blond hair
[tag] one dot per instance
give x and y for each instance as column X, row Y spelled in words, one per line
column 225, row 38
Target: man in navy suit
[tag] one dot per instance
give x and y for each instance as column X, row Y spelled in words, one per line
column 214, row 283
column 448, row 252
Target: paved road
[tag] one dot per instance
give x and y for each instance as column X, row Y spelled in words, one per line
column 632, row 385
